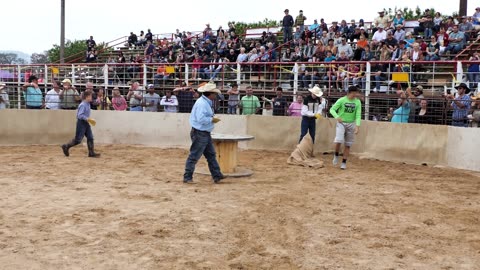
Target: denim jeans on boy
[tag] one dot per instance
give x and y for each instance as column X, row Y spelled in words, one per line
column 202, row 144
column 308, row 125
column 83, row 129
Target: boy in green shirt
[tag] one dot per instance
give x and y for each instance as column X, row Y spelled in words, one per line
column 348, row 111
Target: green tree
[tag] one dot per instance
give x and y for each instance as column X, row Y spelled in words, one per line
column 10, row 59
column 75, row 51
column 241, row 27
column 39, row 58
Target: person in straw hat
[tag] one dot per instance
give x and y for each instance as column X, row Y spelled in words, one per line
column 312, row 109
column 202, row 120
column 348, row 112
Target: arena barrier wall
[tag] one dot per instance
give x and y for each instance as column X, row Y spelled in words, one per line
column 409, row 143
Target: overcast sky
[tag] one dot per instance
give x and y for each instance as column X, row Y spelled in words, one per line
column 34, row 25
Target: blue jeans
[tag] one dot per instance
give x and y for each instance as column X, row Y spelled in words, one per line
column 453, row 48
column 232, row 109
column 201, row 145
column 83, row 129
column 287, row 34
column 460, row 123
column 136, row 109
column 473, row 78
column 308, row 125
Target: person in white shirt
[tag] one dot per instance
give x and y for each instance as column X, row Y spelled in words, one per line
column 379, row 36
column 4, row 102
column 169, row 102
column 52, row 98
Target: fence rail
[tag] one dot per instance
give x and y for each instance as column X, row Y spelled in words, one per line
column 379, row 82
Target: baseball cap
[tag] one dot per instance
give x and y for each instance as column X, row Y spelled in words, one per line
column 151, row 86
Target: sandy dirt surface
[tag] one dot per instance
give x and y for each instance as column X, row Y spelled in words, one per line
column 130, row 210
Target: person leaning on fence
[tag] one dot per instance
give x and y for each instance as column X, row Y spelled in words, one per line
column 474, row 114
column 202, row 120
column 402, row 113
column 118, row 101
column 33, row 95
column 69, row 96
column 135, row 97
column 460, row 105
column 84, row 128
column 313, row 107
column 348, row 112
column 52, row 98
column 4, row 101
column 249, row 103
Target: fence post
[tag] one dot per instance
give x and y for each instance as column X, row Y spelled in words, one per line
column 19, row 89
column 73, row 74
column 105, row 76
column 186, row 74
column 239, row 74
column 459, row 72
column 145, row 75
column 45, row 78
column 368, row 72
column 295, row 79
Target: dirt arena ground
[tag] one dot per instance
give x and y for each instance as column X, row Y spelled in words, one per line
column 130, row 210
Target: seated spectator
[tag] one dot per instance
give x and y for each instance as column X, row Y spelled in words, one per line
column 367, row 54
column 319, row 52
column 249, row 103
column 455, row 41
column 356, row 34
column 362, row 43
column 432, row 50
column 442, row 39
column 384, row 53
column 310, row 77
column 473, row 72
column 196, row 67
column 91, row 56
column 409, row 39
column 401, row 114
column 425, row 24
column 331, row 47
column 287, row 55
column 379, row 36
column 325, row 37
column 141, row 39
column 466, row 28
column 397, row 21
column 345, row 48
column 476, row 19
column 330, row 57
column 272, row 52
column 399, row 33
column 295, row 108
column 351, row 76
column 449, row 24
column 169, row 102
column 391, row 42
column 307, row 52
column 242, row 57
column 148, row 52
column 103, row 101
column 297, row 55
column 118, row 101
column 437, row 22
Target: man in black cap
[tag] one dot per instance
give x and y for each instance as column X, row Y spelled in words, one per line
column 287, row 24
column 460, row 105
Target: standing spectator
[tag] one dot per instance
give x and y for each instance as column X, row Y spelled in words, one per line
column 249, row 103
column 151, row 100
column 300, row 21
column 279, row 103
column 401, row 114
column 118, row 101
column 4, row 101
column 103, row 101
column 295, row 108
column 93, row 103
column 381, row 20
column 169, row 102
column 473, row 73
column 287, row 24
column 149, row 36
column 233, row 99
column 313, row 107
column 460, row 105
column 69, row 96
column 186, row 98
column 135, row 96
column 414, row 99
column 33, row 94
column 148, row 52
column 91, row 44
column 52, row 98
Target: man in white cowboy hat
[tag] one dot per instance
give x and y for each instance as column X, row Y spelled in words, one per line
column 348, row 112
column 460, row 105
column 4, row 102
column 202, row 120
column 313, row 107
column 69, row 96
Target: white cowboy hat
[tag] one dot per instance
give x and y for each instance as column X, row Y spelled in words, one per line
column 209, row 87
column 316, row 91
column 67, row 81
column 2, row 85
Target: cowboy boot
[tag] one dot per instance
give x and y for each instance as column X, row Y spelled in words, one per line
column 91, row 151
column 66, row 147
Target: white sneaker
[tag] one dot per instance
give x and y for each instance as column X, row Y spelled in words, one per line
column 343, row 166
column 335, row 160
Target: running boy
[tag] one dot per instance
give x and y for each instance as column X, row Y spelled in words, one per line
column 83, row 127
column 347, row 110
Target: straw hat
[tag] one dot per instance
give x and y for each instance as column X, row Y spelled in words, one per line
column 2, row 85
column 67, row 81
column 209, row 87
column 316, row 91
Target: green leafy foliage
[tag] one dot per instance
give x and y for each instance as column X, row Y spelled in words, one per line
column 10, row 59
column 241, row 27
column 75, row 51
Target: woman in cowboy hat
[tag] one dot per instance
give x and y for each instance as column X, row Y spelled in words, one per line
column 312, row 109
column 202, row 120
